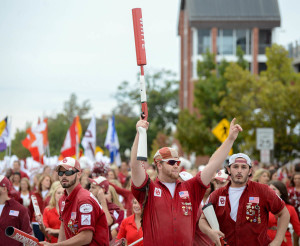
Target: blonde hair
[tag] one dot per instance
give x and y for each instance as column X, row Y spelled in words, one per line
column 55, row 186
column 39, row 186
column 28, row 183
column 258, row 173
column 115, row 197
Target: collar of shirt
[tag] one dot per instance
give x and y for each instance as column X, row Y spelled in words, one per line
column 73, row 193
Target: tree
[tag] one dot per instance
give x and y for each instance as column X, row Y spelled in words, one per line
column 162, row 101
column 72, row 108
column 230, row 90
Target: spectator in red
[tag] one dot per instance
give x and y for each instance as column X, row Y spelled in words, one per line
column 123, row 174
column 100, row 189
column 113, row 178
column 294, row 195
column 261, row 176
column 126, row 194
column 25, row 191
column 51, row 213
column 12, row 213
column 273, row 175
column 17, row 168
column 281, row 190
column 130, row 228
column 43, row 187
column 15, row 179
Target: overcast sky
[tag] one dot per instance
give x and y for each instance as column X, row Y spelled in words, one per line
column 52, row 48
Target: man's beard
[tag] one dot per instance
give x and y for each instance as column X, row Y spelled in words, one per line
column 239, row 181
column 71, row 183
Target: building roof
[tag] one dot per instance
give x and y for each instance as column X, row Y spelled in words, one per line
column 259, row 13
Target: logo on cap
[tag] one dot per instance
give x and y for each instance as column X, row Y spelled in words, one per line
column 65, row 160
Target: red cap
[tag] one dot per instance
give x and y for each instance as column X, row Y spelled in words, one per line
column 69, row 163
column 4, row 182
column 102, row 182
column 166, row 153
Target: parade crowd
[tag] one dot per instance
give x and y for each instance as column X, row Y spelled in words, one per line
column 158, row 202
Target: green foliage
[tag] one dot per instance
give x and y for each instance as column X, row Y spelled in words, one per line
column 17, row 147
column 162, row 101
column 72, row 108
column 268, row 100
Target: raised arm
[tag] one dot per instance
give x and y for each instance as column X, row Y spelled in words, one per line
column 217, row 159
column 138, row 174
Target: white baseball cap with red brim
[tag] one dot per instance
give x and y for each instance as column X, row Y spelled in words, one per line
column 69, row 163
column 222, row 176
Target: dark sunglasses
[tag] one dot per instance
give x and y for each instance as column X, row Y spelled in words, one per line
column 67, row 173
column 171, row 162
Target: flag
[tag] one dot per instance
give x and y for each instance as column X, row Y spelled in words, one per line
column 4, row 135
column 89, row 140
column 37, row 140
column 72, row 139
column 112, row 142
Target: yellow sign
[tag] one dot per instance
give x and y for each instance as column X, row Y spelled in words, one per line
column 221, row 131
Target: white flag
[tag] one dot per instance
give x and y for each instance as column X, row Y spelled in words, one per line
column 89, row 140
column 112, row 142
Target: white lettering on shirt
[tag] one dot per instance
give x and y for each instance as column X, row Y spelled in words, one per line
column 157, row 192
column 86, row 208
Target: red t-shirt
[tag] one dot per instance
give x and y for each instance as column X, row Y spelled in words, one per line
column 128, row 197
column 81, row 211
column 295, row 199
column 167, row 220
column 252, row 220
column 122, row 178
column 51, row 220
column 16, row 215
column 129, row 231
column 293, row 220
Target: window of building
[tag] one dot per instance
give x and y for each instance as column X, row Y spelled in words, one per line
column 229, row 39
column 265, row 39
column 204, row 41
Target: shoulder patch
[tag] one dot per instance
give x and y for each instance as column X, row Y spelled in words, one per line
column 86, row 208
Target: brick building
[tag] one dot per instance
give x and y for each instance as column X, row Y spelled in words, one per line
column 220, row 26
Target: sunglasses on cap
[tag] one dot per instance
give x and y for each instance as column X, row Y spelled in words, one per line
column 67, row 173
column 170, row 162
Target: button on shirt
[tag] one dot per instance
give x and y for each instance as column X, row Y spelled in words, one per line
column 16, row 215
column 167, row 220
column 81, row 211
column 251, row 223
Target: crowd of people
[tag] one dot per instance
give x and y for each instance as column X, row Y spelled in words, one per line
column 154, row 203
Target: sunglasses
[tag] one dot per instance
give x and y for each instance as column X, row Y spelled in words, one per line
column 171, row 162
column 67, row 173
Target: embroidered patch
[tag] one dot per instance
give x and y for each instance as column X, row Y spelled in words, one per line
column 254, row 199
column 73, row 215
column 222, row 201
column 85, row 219
column 14, row 213
column 184, row 194
column 86, row 208
column 157, row 192
column 62, row 206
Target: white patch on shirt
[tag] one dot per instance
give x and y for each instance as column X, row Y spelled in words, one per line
column 14, row 213
column 116, row 215
column 85, row 219
column 86, row 208
column 62, row 205
column 157, row 192
column 222, row 201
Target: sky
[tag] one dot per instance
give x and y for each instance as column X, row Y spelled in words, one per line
column 52, row 48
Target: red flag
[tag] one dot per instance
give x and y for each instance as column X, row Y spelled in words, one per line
column 36, row 140
column 72, row 139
